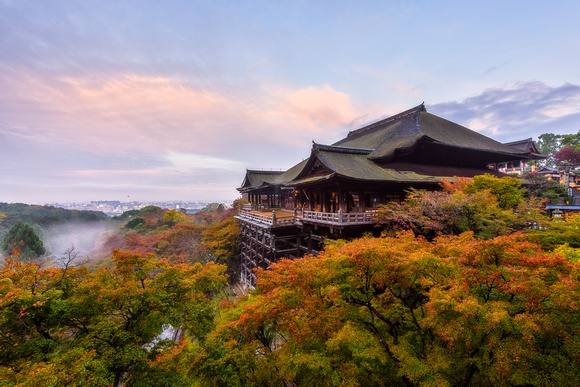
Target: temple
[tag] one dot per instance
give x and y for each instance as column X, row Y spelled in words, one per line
column 336, row 192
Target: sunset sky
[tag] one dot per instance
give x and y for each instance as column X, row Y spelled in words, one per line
column 173, row 100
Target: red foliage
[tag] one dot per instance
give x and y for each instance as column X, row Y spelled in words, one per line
column 568, row 155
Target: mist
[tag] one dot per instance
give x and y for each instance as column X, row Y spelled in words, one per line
column 84, row 237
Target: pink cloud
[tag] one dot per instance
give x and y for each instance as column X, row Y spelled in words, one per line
column 134, row 113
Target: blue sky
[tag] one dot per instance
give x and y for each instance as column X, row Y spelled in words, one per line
column 173, row 100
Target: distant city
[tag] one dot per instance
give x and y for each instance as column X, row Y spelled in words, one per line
column 114, row 207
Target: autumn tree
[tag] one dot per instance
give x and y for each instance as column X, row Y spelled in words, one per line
column 557, row 232
column 566, row 146
column 69, row 326
column 405, row 311
column 568, row 156
column 22, row 238
column 222, row 241
column 506, row 190
column 486, row 205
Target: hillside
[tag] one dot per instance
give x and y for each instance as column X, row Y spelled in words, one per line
column 58, row 228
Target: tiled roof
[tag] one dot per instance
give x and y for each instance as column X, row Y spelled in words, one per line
column 403, row 131
column 257, row 178
column 373, row 153
column 340, row 163
column 527, row 145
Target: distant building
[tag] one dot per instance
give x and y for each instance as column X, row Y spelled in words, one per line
column 336, row 192
column 521, row 166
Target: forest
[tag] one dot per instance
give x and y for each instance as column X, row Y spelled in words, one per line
column 469, row 285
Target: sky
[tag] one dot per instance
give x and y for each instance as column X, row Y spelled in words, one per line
column 173, row 100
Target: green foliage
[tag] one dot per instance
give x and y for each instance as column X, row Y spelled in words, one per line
column 542, row 187
column 150, row 210
column 46, row 217
column 549, row 144
column 23, row 239
column 558, row 232
column 506, row 190
column 46, row 214
column 570, row 140
column 213, row 207
column 135, row 223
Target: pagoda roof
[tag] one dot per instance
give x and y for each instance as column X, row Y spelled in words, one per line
column 527, row 145
column 291, row 174
column 402, row 132
column 258, row 179
column 327, row 162
column 410, row 147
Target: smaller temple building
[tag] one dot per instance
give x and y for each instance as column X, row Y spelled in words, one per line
column 336, row 192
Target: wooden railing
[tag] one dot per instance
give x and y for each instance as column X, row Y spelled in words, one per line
column 270, row 219
column 347, row 218
column 338, row 219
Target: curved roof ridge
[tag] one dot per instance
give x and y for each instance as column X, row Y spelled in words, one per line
column 341, row 149
column 420, row 108
column 264, row 172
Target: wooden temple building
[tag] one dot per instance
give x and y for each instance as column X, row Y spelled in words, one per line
column 336, row 192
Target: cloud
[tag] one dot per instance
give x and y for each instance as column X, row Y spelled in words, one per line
column 124, row 113
column 156, row 130
column 315, row 109
column 187, row 162
column 516, row 111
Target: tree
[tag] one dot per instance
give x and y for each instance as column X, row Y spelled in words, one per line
column 486, row 205
column 560, row 148
column 222, row 240
column 568, row 156
column 68, row 326
column 213, row 207
column 572, row 140
column 172, row 217
column 558, row 232
column 507, row 190
column 541, row 187
column 22, row 238
column 135, row 223
column 548, row 144
column 404, row 311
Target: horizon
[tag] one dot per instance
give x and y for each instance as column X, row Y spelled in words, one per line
column 124, row 202
column 176, row 100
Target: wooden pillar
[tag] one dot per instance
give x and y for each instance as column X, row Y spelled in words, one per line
column 342, row 201
column 361, row 201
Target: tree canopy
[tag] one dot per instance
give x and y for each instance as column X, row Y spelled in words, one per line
column 69, row 326
column 560, row 148
column 22, row 239
column 486, row 205
column 402, row 310
column 456, row 291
